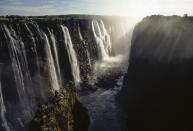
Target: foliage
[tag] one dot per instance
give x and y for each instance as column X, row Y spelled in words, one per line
column 58, row 115
column 16, row 18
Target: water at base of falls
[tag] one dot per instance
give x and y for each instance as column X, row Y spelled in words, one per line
column 105, row 112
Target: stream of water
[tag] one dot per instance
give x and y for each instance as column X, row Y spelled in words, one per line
column 106, row 114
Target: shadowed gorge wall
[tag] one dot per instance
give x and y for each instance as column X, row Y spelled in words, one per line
column 158, row 86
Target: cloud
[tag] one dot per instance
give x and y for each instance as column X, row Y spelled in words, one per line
column 104, row 7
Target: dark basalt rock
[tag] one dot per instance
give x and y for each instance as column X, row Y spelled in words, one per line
column 158, row 86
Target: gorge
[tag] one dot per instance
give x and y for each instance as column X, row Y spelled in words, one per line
column 41, row 55
column 96, row 73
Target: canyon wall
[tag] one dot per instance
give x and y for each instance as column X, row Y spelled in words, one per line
column 157, row 88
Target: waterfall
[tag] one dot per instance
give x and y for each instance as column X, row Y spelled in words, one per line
column 87, row 52
column 53, row 66
column 52, row 69
column 19, row 65
column 79, row 33
column 39, row 57
column 102, row 39
column 36, row 54
column 56, row 57
column 3, row 111
column 72, row 55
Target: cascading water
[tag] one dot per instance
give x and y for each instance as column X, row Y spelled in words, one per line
column 38, row 57
column 16, row 65
column 35, row 53
column 104, row 44
column 3, row 111
column 20, row 68
column 102, row 38
column 105, row 113
column 22, row 76
column 72, row 55
column 79, row 33
column 56, row 58
column 52, row 68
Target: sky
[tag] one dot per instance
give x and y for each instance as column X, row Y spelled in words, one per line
column 97, row 7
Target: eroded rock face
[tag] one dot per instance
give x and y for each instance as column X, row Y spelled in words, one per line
column 158, row 86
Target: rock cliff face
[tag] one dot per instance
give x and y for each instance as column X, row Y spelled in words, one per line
column 39, row 55
column 158, row 86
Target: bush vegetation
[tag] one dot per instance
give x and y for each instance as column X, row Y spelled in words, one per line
column 59, row 114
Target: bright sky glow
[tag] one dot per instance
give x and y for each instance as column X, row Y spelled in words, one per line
column 99, row 7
